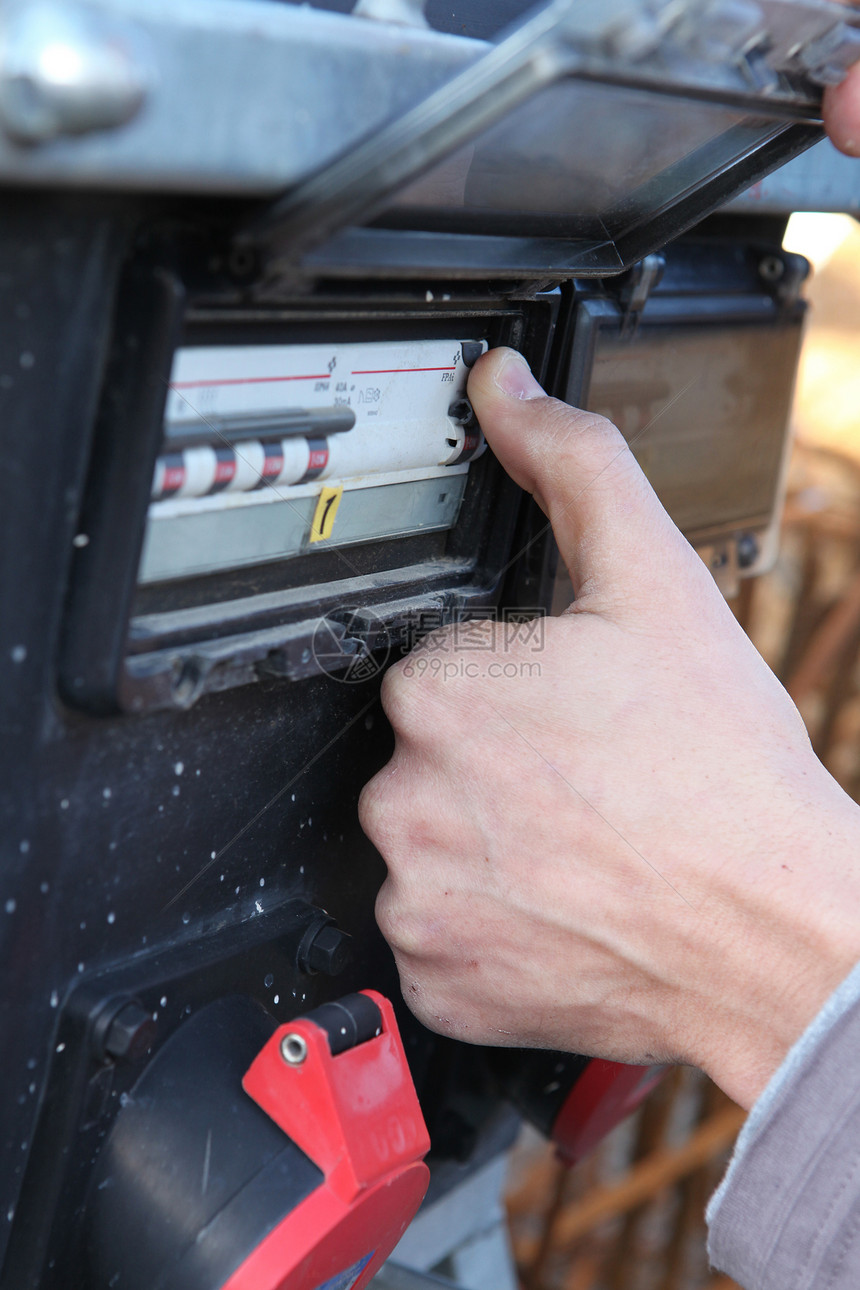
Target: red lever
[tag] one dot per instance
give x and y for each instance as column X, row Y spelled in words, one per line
column 356, row 1115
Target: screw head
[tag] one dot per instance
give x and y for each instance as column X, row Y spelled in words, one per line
column 294, row 1049
column 748, row 550
column 771, row 268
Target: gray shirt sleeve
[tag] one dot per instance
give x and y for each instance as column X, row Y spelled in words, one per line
column 787, row 1215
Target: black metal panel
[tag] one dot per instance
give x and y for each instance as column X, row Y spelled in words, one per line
column 59, row 261
column 158, row 856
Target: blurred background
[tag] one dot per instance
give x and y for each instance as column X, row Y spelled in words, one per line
column 631, row 1217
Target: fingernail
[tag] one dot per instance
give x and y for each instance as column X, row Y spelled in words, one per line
column 513, row 377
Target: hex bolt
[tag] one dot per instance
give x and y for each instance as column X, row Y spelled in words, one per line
column 294, row 1049
column 323, row 946
column 125, row 1031
column 330, row 950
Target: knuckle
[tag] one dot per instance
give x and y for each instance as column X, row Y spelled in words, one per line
column 590, row 433
column 400, row 700
column 386, row 918
column 414, row 690
column 374, row 808
column 402, row 930
column 574, row 439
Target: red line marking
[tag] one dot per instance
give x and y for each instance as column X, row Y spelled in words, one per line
column 248, row 380
column 382, row 371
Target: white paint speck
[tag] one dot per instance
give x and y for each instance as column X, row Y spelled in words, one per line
column 197, row 771
column 186, row 918
column 277, row 999
column 262, row 882
column 81, row 540
column 55, row 998
column 106, row 793
column 83, row 925
column 301, row 868
column 19, row 653
column 44, row 888
column 258, row 907
column 11, row 905
column 64, row 804
column 178, row 768
column 175, row 790
column 237, row 891
column 60, row 1048
column 428, row 296
column 80, row 967
column 111, row 917
column 292, row 797
column 24, row 846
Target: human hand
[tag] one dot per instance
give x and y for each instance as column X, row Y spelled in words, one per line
column 634, row 854
column 842, row 113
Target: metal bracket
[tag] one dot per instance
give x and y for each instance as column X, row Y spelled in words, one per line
column 644, row 276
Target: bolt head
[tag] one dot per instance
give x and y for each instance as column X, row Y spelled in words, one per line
column 748, row 550
column 130, row 1034
column 330, row 951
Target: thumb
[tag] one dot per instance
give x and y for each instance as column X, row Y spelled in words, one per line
column 842, row 113
column 612, row 532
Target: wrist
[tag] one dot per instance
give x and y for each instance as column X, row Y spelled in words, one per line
column 795, row 941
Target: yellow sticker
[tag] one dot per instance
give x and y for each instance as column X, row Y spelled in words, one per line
column 326, row 509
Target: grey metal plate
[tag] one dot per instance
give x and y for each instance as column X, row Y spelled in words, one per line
column 245, row 97
column 212, row 538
